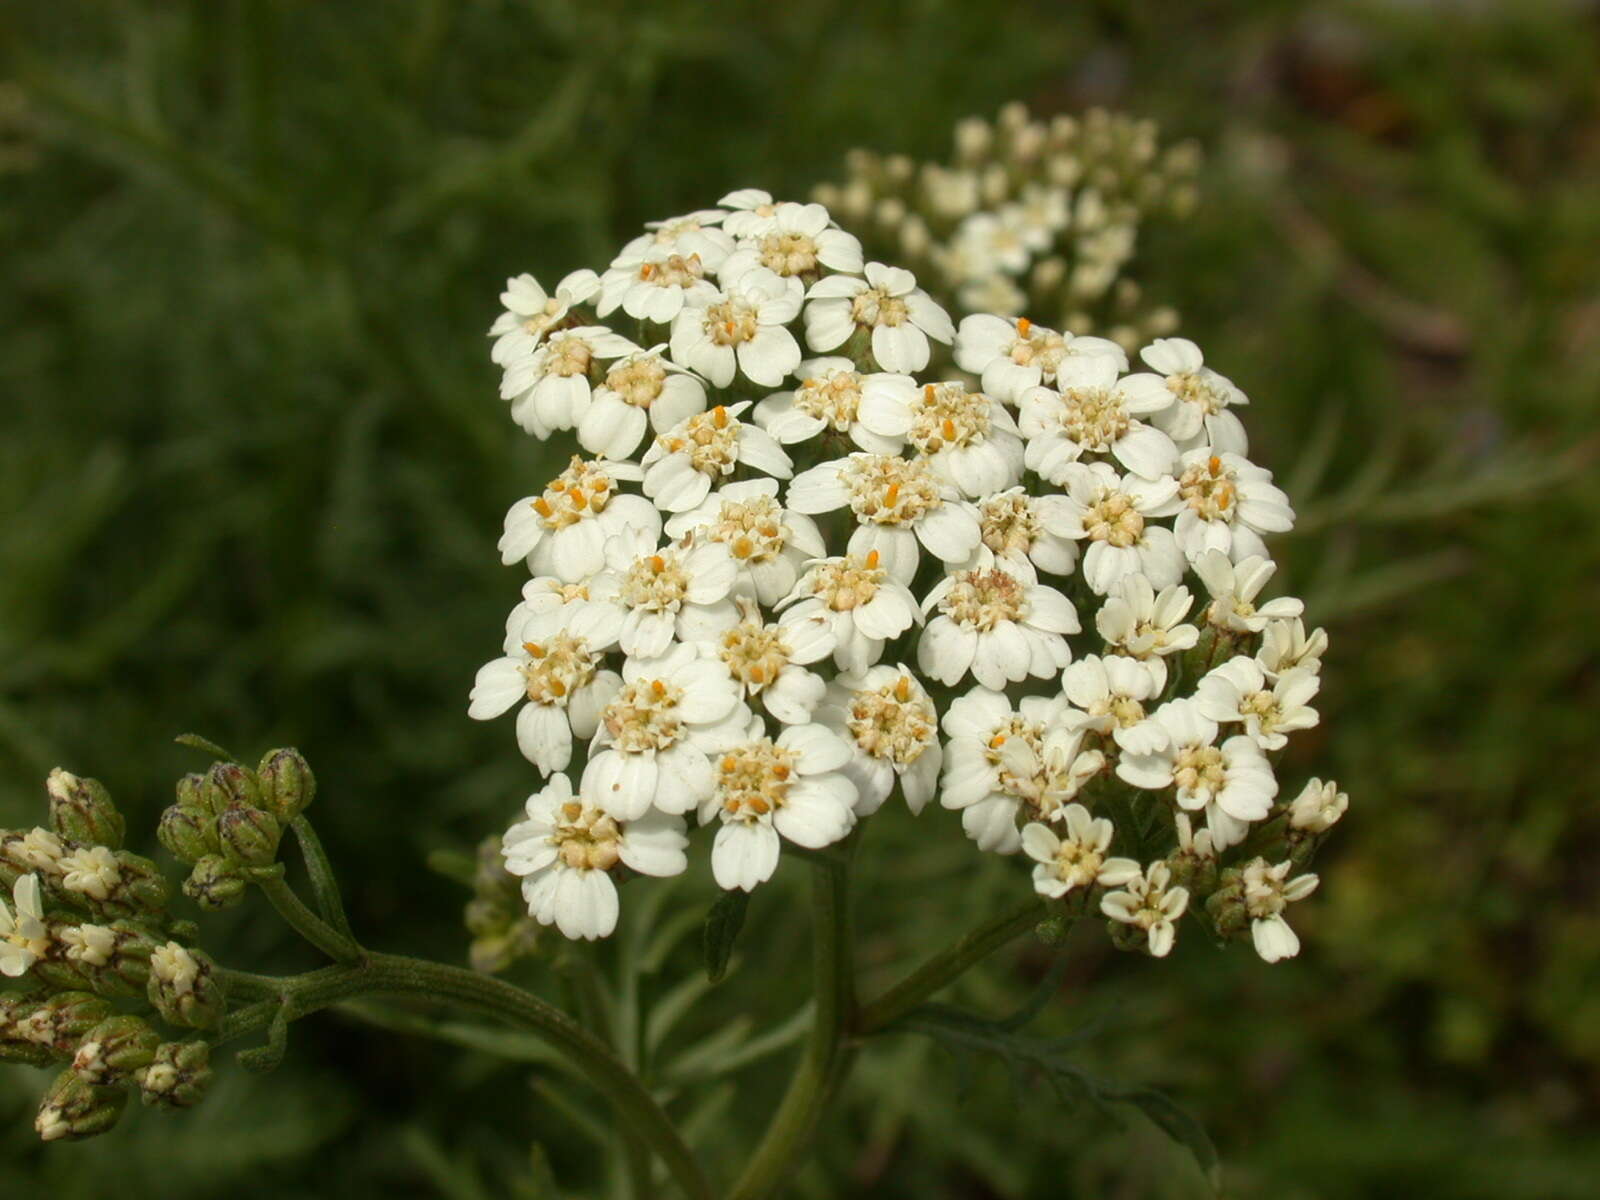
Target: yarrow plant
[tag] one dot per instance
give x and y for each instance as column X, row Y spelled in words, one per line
column 815, row 548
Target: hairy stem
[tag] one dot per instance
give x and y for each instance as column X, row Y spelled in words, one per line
column 306, row 923
column 949, row 965
column 827, row 1054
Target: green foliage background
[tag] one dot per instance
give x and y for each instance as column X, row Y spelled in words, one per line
column 252, row 468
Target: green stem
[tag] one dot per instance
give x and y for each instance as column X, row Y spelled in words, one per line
column 827, row 1055
column 306, row 923
column 395, row 975
column 324, row 886
column 948, row 965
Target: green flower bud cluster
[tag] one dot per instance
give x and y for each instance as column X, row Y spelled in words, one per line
column 98, row 933
column 496, row 916
column 1027, row 217
column 230, row 820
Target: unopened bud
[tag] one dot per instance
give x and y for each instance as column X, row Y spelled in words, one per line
column 1226, row 907
column 115, row 1050
column 74, row 1108
column 81, row 810
column 142, row 883
column 185, row 988
column 192, row 793
column 287, row 784
column 189, row 834
column 228, row 784
column 63, row 1019
column 215, row 883
column 178, row 1077
column 249, row 835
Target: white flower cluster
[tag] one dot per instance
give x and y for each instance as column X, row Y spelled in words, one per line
column 794, row 571
column 1028, row 215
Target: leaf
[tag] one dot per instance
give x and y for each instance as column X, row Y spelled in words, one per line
column 723, row 924
column 205, row 745
column 966, row 1034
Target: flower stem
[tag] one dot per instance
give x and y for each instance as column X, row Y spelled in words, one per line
column 305, row 922
column 948, row 965
column 394, row 975
column 827, row 1054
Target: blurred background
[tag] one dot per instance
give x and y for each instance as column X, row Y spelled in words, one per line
column 252, row 468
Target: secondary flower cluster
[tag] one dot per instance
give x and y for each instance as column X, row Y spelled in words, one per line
column 1028, row 216
column 796, row 571
column 86, row 928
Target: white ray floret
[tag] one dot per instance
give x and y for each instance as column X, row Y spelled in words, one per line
column 1089, row 412
column 1117, row 516
column 769, row 544
column 740, row 329
column 682, row 465
column 566, row 847
column 996, row 622
column 857, row 601
column 1227, row 504
column 24, row 937
column 1014, row 356
column 1238, row 691
column 768, row 663
column 899, row 316
column 669, row 592
column 1149, row 903
column 643, row 392
column 1110, row 696
column 1197, row 399
column 531, row 312
column 549, row 389
column 891, row 725
column 1076, row 856
column 563, row 531
column 1268, row 890
column 797, row 240
column 1138, row 621
column 828, row 399
column 1234, row 588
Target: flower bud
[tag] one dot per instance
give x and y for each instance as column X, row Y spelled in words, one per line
column 115, row 1050
column 81, row 810
column 184, row 987
column 192, row 792
column 25, row 1054
column 228, row 784
column 178, row 1077
column 142, row 883
column 74, row 1108
column 287, row 784
column 249, row 835
column 215, row 883
column 189, row 834
column 62, row 1019
column 1226, row 907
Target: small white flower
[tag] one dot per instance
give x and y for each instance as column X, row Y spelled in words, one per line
column 1012, row 357
column 1003, row 763
column 91, row 945
column 987, row 238
column 769, row 544
column 1025, row 528
column 1089, row 412
column 799, row 240
column 566, row 848
column 656, row 733
column 857, row 601
column 1285, row 646
column 888, row 302
column 1078, row 859
column 828, row 397
column 793, row 786
column 741, row 328
column 968, row 439
column 1234, row 588
column 1318, row 807
column 1197, row 399
column 37, row 850
column 549, row 390
column 1137, row 621
column 563, row 532
column 557, row 668
column 1233, row 782
column 669, row 592
column 897, row 503
column 655, row 283
column 693, row 234
column 91, row 870
column 642, row 391
column 1110, row 694
column 1227, row 504
column 24, row 937
column 1238, row 690
column 531, row 312
column 547, row 594
column 754, row 215
column 173, row 966
column 1117, row 517
column 769, row 662
column 1149, row 902
column 1267, row 892
column 682, row 464
column 992, row 293
column 998, row 622
column 1041, row 212
column 892, row 728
